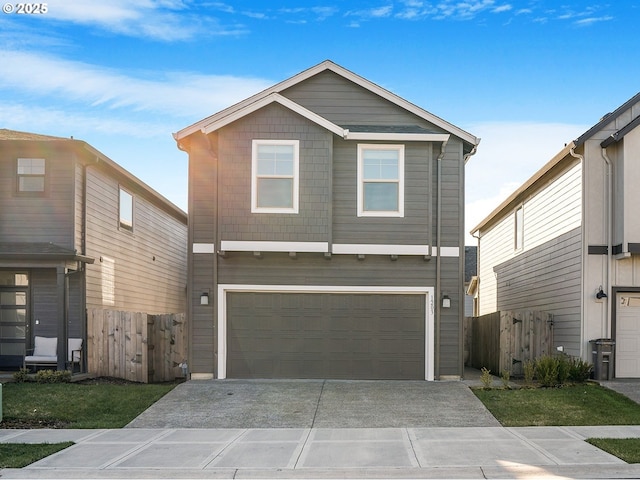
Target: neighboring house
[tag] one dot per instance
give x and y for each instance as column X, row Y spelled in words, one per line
column 326, row 229
column 471, row 281
column 568, row 242
column 78, row 232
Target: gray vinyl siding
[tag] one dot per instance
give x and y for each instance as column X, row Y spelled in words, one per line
column 547, row 278
column 412, row 229
column 234, row 151
column 345, row 103
column 44, row 302
column 150, row 262
column 37, row 218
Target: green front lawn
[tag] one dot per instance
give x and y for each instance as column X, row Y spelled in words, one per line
column 77, row 405
column 18, row 455
column 582, row 404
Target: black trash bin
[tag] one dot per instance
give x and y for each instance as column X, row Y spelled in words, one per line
column 603, row 350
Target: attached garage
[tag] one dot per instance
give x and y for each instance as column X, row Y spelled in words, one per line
column 627, row 356
column 353, row 333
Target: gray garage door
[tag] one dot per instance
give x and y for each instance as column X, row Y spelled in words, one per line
column 325, row 335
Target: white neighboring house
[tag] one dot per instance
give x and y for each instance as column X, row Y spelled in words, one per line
column 568, row 242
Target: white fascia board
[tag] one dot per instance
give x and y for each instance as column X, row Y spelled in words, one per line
column 358, row 80
column 264, row 246
column 398, row 137
column 375, row 249
column 273, row 97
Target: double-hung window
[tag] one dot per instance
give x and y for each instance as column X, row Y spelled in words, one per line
column 31, row 175
column 275, row 176
column 380, row 180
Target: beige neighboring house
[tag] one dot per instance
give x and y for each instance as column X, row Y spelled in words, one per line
column 78, row 232
column 568, row 242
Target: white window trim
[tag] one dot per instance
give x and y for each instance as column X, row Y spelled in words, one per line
column 360, row 190
column 428, row 292
column 254, row 176
column 518, row 229
column 123, row 224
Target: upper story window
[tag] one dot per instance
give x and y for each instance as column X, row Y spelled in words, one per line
column 275, row 176
column 126, row 210
column 518, row 218
column 380, row 180
column 31, row 175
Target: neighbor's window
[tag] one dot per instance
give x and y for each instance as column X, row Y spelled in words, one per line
column 381, row 180
column 518, row 228
column 274, row 176
column 126, row 210
column 31, row 175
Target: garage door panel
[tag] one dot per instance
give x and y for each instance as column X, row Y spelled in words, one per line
column 627, row 361
column 323, row 335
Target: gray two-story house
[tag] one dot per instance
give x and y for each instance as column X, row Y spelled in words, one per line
column 326, row 234
column 79, row 232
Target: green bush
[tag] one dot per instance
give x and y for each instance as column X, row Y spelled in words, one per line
column 564, row 368
column 529, row 370
column 547, row 368
column 579, row 370
column 53, row 376
column 21, row 375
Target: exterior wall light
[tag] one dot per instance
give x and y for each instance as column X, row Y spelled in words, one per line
column 204, row 298
column 446, row 301
column 600, row 294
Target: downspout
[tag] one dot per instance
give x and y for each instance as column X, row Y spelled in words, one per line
column 213, row 152
column 584, row 247
column 438, row 300
column 607, row 318
column 463, row 293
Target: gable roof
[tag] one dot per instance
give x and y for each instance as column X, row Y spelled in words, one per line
column 236, row 111
column 566, row 151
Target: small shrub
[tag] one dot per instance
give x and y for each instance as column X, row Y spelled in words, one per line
column 485, row 377
column 529, row 370
column 564, row 369
column 547, row 371
column 21, row 375
column 505, row 377
column 579, row 370
column 53, row 376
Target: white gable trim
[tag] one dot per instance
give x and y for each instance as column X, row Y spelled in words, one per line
column 397, row 137
column 327, row 65
column 273, row 97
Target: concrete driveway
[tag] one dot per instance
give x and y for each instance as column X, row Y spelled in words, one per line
column 316, row 404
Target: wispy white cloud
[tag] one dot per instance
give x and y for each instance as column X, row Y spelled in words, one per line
column 585, row 22
column 182, row 94
column 166, row 20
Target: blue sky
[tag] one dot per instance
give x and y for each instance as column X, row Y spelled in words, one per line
column 525, row 76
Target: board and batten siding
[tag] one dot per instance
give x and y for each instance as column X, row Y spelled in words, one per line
column 549, row 211
column 38, row 218
column 143, row 270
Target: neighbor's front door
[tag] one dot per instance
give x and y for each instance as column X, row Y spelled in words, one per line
column 13, row 325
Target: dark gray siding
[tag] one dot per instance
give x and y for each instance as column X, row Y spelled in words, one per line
column 44, row 302
column 345, row 103
column 412, row 229
column 33, row 218
column 547, row 278
column 234, row 151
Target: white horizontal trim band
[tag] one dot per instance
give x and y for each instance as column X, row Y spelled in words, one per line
column 203, row 248
column 373, row 249
column 397, row 137
column 447, row 251
column 262, row 246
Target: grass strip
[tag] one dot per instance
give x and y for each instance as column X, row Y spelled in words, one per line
column 75, row 405
column 583, row 404
column 627, row 449
column 18, row 455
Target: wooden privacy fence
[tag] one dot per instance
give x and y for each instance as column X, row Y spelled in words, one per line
column 505, row 340
column 136, row 346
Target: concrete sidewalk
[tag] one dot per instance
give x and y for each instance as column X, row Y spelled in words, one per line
column 440, row 452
